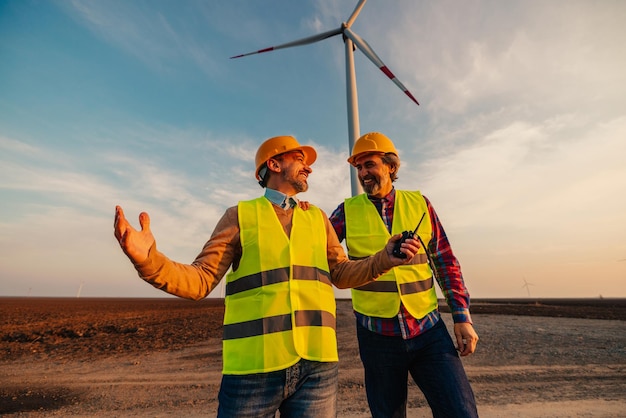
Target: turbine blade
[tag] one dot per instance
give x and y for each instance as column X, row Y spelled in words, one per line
column 303, row 41
column 369, row 53
column 355, row 13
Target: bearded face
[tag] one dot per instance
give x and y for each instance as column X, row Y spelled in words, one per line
column 294, row 171
column 374, row 175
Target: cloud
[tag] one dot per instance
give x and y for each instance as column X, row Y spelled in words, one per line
column 148, row 32
column 11, row 145
column 544, row 55
column 58, row 197
column 518, row 140
column 525, row 199
column 73, row 205
column 519, row 171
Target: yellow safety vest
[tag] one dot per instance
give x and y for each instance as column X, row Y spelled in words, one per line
column 366, row 234
column 280, row 305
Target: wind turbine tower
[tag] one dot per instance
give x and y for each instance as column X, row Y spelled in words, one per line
column 351, row 40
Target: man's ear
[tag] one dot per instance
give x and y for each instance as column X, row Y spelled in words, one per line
column 273, row 165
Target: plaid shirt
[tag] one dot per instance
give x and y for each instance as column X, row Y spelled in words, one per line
column 447, row 272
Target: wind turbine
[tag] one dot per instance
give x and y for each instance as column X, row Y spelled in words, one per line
column 351, row 40
column 80, row 288
column 527, row 286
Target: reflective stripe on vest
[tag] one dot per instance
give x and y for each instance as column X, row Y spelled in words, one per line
column 405, row 288
column 366, row 234
column 265, row 278
column 280, row 305
column 278, row 323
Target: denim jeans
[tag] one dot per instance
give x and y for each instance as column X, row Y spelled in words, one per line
column 434, row 365
column 306, row 389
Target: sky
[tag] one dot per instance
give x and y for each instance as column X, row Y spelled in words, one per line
column 519, row 140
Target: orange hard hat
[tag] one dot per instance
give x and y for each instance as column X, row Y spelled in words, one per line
column 372, row 143
column 280, row 145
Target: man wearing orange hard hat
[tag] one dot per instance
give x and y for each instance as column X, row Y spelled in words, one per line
column 399, row 328
column 279, row 342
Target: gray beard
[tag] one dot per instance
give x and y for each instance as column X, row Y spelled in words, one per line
column 370, row 189
column 299, row 185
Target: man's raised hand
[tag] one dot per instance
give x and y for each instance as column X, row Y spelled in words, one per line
column 135, row 244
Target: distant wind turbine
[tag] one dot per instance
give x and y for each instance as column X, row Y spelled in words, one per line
column 350, row 40
column 527, row 286
column 79, row 289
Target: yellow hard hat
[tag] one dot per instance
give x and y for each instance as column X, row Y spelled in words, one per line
column 372, row 142
column 279, row 145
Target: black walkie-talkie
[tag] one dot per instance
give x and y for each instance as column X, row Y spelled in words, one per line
column 406, row 235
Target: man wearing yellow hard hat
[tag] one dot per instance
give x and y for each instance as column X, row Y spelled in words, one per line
column 279, row 342
column 399, row 328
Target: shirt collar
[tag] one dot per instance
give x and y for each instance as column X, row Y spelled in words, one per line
column 280, row 199
column 390, row 198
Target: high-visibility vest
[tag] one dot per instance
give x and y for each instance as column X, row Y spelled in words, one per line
column 280, row 305
column 366, row 234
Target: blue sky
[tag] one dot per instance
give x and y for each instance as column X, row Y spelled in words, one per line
column 519, row 142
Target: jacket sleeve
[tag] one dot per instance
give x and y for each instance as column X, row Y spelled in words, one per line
column 448, row 271
column 196, row 280
column 346, row 273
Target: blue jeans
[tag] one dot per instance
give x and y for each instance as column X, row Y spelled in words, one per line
column 434, row 364
column 306, row 389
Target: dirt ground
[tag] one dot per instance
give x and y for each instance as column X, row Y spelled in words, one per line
column 162, row 357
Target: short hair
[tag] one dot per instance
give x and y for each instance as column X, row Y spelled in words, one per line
column 393, row 161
